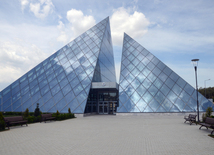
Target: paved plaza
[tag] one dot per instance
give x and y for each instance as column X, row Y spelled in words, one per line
column 108, row 135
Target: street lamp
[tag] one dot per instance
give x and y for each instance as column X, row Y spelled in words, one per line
column 205, row 86
column 195, row 64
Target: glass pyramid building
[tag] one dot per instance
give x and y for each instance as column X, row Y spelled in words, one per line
column 148, row 85
column 81, row 76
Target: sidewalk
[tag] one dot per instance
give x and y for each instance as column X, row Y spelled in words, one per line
column 108, row 135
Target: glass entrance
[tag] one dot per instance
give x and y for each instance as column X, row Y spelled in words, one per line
column 103, row 108
column 112, row 107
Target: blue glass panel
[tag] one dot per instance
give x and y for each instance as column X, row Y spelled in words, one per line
column 40, row 71
column 66, row 89
column 45, row 90
column 141, row 77
column 177, row 89
column 47, row 106
column 145, row 61
column 141, row 105
column 16, row 104
column 51, row 77
column 151, row 66
column 181, row 82
column 130, row 67
column 146, row 71
column 154, row 105
column 27, row 104
column 58, row 97
column 135, row 97
column 135, row 72
column 55, row 89
column 174, row 109
column 152, row 77
column 135, row 83
column 141, row 90
column 169, row 83
column 6, row 105
column 89, row 70
column 59, row 70
column 53, row 83
column 193, row 104
column 206, row 103
column 125, row 72
column 165, row 90
column 167, row 104
column 63, row 83
column 156, row 71
column 61, row 76
column 180, row 104
column 71, row 76
column 35, row 90
column 146, row 83
column 130, row 78
column 159, row 97
column 73, row 105
column 135, row 61
column 78, row 89
column 14, row 84
column 85, row 82
column 42, row 77
column 184, row 96
column 46, row 97
column 129, row 90
column 189, row 89
column 25, row 90
column 174, row 76
column 158, row 83
column 16, row 96
column 81, row 97
column 147, row 97
column 69, row 97
column 26, row 97
column 153, row 90
column 148, row 109
column 161, row 65
column 163, row 77
column 161, row 109
column 172, row 97
column 61, row 104
column 49, row 71
column 122, row 109
column 128, row 105
column 32, row 84
column 155, row 60
column 78, row 70
column 74, row 82
column 24, row 83
column 43, row 83
column 145, row 52
column 36, row 97
column 167, row 71
column 78, row 110
column 6, row 97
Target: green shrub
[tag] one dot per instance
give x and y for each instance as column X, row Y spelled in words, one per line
column 31, row 119
column 69, row 110
column 209, row 111
column 26, row 113
column 2, row 122
column 37, row 111
column 203, row 117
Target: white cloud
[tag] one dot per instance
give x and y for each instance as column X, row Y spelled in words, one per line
column 135, row 24
column 24, row 3
column 79, row 22
column 42, row 8
column 62, row 37
column 17, row 59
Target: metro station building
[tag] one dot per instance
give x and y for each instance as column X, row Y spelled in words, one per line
column 81, row 76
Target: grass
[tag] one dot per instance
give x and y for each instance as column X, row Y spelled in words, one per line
column 211, row 135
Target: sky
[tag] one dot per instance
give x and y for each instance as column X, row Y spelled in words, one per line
column 175, row 31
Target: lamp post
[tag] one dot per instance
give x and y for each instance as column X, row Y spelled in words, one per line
column 205, row 86
column 195, row 64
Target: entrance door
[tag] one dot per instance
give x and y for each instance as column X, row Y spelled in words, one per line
column 103, row 107
column 112, row 107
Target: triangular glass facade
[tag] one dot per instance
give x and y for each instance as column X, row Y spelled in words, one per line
column 64, row 79
column 148, row 85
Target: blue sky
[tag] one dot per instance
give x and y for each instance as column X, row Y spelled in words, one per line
column 175, row 31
